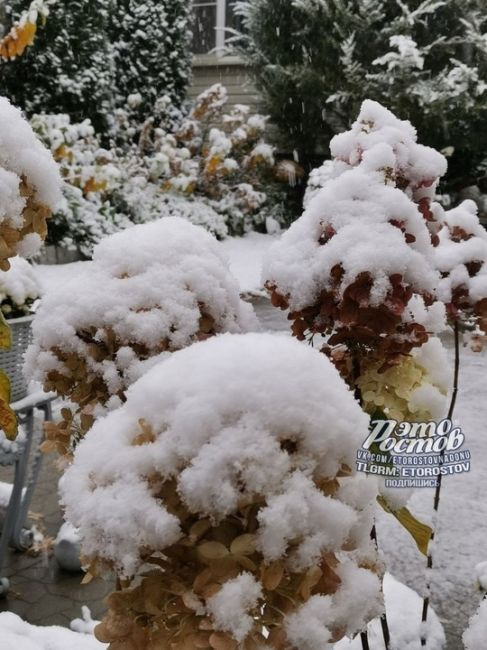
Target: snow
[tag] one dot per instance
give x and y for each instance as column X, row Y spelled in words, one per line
column 151, row 286
column 67, row 548
column 85, row 624
column 230, row 605
column 403, row 607
column 481, row 570
column 189, row 421
column 16, row 634
column 475, row 635
column 376, row 125
column 353, row 212
column 246, row 255
column 408, row 54
column 23, row 155
column 18, row 285
column 215, row 439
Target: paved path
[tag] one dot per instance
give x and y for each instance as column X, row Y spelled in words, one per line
column 41, row 592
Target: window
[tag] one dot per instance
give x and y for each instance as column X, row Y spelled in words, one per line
column 210, row 19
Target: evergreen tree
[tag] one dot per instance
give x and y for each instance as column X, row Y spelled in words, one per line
column 316, row 60
column 67, row 69
column 92, row 55
column 152, row 51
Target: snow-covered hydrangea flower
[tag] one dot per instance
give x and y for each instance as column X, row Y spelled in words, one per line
column 19, row 289
column 228, row 469
column 461, row 258
column 151, row 289
column 415, row 167
column 359, row 264
column 30, row 186
column 414, row 389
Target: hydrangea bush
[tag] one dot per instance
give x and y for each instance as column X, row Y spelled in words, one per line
column 215, row 544
column 29, row 191
column 29, row 186
column 375, row 267
column 231, row 166
column 151, row 289
column 358, row 268
column 225, row 179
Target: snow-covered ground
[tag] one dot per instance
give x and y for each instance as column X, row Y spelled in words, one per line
column 461, row 540
column 245, row 255
column 16, row 634
column 462, row 535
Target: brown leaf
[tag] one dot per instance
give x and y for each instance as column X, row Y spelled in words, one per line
column 243, row 545
column 222, row 641
column 272, row 575
column 212, row 551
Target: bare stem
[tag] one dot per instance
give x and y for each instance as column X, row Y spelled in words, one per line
column 373, row 533
column 365, row 640
column 436, row 502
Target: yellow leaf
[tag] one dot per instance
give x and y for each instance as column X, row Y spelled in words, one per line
column 4, row 387
column 8, row 420
column 5, row 333
column 421, row 533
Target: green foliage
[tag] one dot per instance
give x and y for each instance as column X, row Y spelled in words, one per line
column 91, row 56
column 316, row 60
column 151, row 51
column 67, row 68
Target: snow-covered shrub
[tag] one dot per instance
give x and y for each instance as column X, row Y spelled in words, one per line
column 69, row 67
column 90, row 174
column 19, row 289
column 359, row 266
column 142, row 200
column 150, row 290
column 224, row 178
column 106, row 191
column 222, row 158
column 227, row 473
column 29, row 186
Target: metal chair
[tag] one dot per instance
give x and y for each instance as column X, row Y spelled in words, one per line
column 23, row 453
